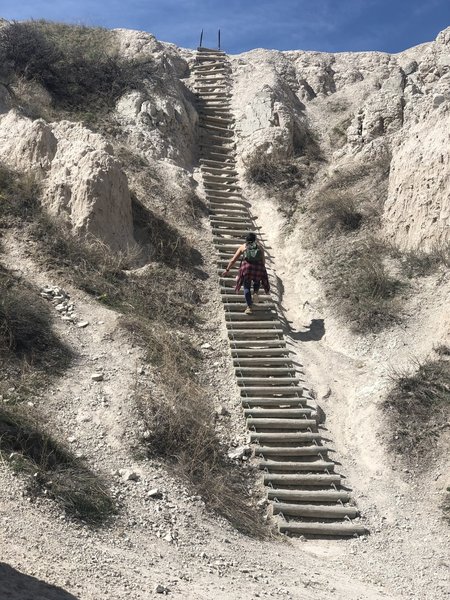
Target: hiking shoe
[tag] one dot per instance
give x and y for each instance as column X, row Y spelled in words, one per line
column 255, row 298
column 248, row 310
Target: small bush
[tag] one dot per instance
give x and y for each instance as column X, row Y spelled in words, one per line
column 51, row 469
column 359, row 285
column 263, row 169
column 337, row 212
column 419, row 263
column 338, row 134
column 418, row 407
column 279, row 175
column 162, row 242
column 18, row 196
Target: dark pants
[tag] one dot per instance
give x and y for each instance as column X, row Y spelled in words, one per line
column 248, row 292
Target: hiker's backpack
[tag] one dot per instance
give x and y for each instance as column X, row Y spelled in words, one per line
column 252, row 253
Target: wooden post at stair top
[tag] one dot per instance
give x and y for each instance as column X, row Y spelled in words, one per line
column 201, row 39
column 219, row 40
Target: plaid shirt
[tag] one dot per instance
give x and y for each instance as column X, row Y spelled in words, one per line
column 253, row 272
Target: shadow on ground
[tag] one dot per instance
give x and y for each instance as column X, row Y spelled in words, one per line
column 18, row 586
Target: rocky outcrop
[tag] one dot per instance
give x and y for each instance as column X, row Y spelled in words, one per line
column 83, row 183
column 375, row 104
column 417, row 211
column 160, row 118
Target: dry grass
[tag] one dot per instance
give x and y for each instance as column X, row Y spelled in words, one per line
column 32, row 355
column 51, row 470
column 180, row 426
column 418, row 408
column 30, row 352
column 419, row 263
column 359, row 285
column 337, row 212
column 80, row 67
column 446, row 505
column 18, row 197
column 159, row 292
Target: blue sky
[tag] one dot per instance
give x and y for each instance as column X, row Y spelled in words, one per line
column 325, row 25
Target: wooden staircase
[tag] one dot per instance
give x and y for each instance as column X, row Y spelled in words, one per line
column 306, row 493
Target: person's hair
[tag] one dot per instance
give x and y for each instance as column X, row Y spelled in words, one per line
column 250, row 237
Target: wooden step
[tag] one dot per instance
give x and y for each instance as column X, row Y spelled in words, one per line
column 313, row 450
column 239, row 298
column 276, row 381
column 279, row 413
column 296, row 466
column 230, row 220
column 272, row 324
column 315, row 511
column 213, row 117
column 220, row 139
column 332, row 529
column 271, row 390
column 223, row 178
column 219, row 223
column 329, row 495
column 266, row 371
column 267, row 315
column 285, row 437
column 217, row 170
column 233, row 309
column 220, row 155
column 267, row 361
column 291, row 424
column 230, row 232
column 255, row 333
column 258, row 401
column 221, row 193
column 246, row 348
column 306, row 479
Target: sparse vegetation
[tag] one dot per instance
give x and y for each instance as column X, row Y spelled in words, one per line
column 18, row 193
column 418, row 408
column 180, row 428
column 31, row 353
column 446, row 505
column 419, row 263
column 51, row 469
column 285, row 177
column 359, row 285
column 80, row 67
column 337, row 212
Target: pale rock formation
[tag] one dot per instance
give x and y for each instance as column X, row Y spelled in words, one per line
column 26, row 145
column 382, row 104
column 160, row 118
column 83, row 183
column 87, row 187
column 417, row 211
